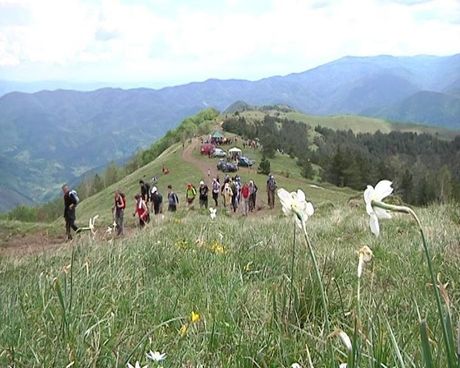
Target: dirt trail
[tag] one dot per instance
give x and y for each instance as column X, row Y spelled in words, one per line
column 206, row 163
column 39, row 241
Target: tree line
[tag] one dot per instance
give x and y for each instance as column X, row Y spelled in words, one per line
column 423, row 167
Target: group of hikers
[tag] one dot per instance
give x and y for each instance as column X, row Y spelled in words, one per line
column 234, row 192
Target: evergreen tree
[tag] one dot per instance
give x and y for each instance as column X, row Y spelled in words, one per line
column 306, row 169
column 264, row 166
column 407, row 187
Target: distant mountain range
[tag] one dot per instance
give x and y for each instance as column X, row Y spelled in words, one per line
column 49, row 137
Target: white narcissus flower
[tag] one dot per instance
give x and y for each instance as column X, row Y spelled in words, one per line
column 365, row 256
column 343, row 365
column 344, row 337
column 92, row 222
column 296, row 365
column 213, row 213
column 156, row 356
column 137, row 365
column 345, row 340
column 381, row 190
column 294, row 204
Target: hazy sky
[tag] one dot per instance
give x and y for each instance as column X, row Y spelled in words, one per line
column 168, row 42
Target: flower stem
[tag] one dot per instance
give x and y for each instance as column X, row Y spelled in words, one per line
column 411, row 212
column 292, row 273
column 318, row 277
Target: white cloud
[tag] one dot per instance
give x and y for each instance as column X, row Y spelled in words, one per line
column 173, row 42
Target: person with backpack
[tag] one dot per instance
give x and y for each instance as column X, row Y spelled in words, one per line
column 234, row 187
column 271, row 188
column 190, row 194
column 238, row 186
column 227, row 193
column 70, row 202
column 245, row 195
column 119, row 209
column 173, row 200
column 203, row 190
column 145, row 191
column 252, row 195
column 157, row 200
column 215, row 190
column 141, row 210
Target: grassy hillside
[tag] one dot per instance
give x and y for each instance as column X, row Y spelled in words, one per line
column 103, row 303
column 97, row 304
column 181, row 173
column 358, row 124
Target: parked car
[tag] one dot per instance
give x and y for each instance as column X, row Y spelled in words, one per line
column 245, row 162
column 225, row 166
column 219, row 152
column 207, row 149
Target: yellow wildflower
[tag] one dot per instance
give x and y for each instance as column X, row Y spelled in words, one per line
column 195, row 317
column 183, row 330
column 217, row 248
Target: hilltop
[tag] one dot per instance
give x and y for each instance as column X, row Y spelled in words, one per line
column 185, row 164
column 355, row 123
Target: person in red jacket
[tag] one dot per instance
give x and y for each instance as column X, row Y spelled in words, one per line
column 141, row 210
column 245, row 194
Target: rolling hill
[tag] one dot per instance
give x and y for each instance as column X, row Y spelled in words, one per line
column 54, row 136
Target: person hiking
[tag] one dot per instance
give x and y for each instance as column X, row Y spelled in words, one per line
column 145, row 191
column 238, row 186
column 141, row 210
column 227, row 193
column 203, row 190
column 70, row 202
column 234, row 187
column 252, row 195
column 215, row 190
column 245, row 195
column 157, row 200
column 118, row 210
column 271, row 188
column 190, row 194
column 173, row 200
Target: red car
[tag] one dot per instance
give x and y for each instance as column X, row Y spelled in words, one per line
column 207, row 149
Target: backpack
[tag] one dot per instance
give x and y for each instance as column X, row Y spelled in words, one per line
column 191, row 192
column 172, row 198
column 271, row 184
column 245, row 191
column 123, row 197
column 74, row 195
column 147, row 191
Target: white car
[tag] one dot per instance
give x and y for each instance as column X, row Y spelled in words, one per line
column 219, row 152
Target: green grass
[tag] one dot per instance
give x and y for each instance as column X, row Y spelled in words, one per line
column 119, row 301
column 13, row 229
column 180, row 174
